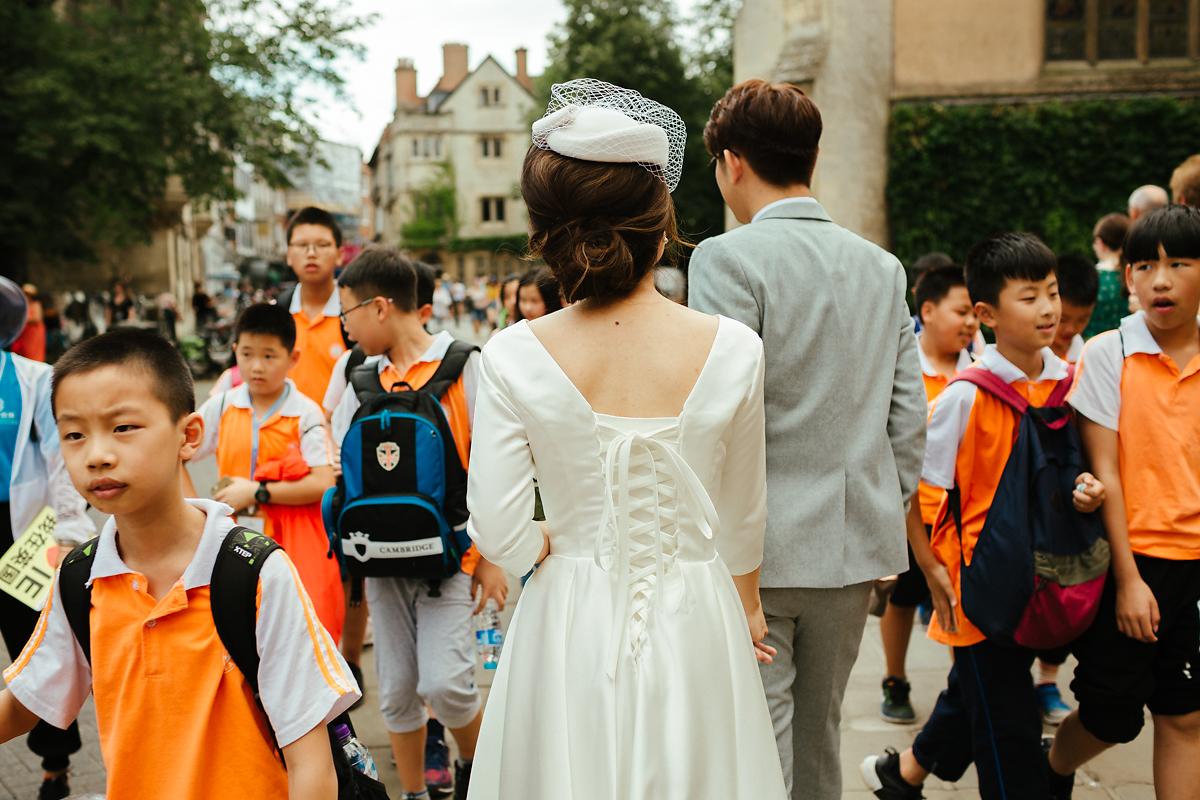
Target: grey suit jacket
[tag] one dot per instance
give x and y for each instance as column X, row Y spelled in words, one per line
column 844, row 395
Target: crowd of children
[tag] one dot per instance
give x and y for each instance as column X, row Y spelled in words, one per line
column 117, row 425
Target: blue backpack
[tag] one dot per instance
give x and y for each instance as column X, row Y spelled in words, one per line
column 400, row 507
column 1039, row 566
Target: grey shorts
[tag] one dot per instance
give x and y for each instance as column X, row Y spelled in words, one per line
column 424, row 651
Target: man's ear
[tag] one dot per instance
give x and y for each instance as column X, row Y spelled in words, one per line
column 192, row 428
column 735, row 166
column 986, row 313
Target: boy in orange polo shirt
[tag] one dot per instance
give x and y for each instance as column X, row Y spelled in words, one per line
column 948, row 326
column 423, row 646
column 274, row 455
column 988, row 713
column 1138, row 394
column 314, row 250
column 176, row 717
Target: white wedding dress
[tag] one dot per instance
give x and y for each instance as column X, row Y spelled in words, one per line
column 628, row 672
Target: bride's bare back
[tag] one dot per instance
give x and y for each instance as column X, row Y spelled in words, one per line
column 639, row 356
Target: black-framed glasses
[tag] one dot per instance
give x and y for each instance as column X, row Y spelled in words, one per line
column 342, row 316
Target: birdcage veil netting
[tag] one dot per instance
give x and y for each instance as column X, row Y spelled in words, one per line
column 597, row 121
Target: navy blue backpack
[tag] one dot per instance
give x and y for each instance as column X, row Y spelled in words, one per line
column 1038, row 569
column 400, row 507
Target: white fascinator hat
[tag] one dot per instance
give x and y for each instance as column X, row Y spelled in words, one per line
column 596, row 121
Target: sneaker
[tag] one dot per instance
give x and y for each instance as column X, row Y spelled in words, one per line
column 356, row 671
column 438, row 779
column 1050, row 701
column 1061, row 786
column 896, row 706
column 54, row 788
column 881, row 774
column 462, row 779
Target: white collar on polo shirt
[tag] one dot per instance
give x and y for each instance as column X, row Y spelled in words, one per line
column 333, row 306
column 1053, row 367
column 927, row 367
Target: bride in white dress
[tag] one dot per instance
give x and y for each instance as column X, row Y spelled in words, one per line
column 629, row 671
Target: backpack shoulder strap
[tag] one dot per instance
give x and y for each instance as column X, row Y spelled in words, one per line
column 233, row 593
column 994, row 385
column 450, row 369
column 364, row 380
column 356, row 359
column 285, row 298
column 1058, row 397
column 77, row 594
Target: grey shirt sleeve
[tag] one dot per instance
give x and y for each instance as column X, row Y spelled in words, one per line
column 717, row 284
column 908, row 412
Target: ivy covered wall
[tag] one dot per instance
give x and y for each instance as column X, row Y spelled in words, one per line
column 958, row 173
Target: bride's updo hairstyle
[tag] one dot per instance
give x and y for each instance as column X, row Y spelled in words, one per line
column 597, row 183
column 598, row 226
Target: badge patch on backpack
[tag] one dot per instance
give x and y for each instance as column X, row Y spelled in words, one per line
column 388, row 455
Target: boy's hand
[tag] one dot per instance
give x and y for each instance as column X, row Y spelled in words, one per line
column 1089, row 493
column 488, row 583
column 941, row 592
column 1137, row 611
column 238, row 493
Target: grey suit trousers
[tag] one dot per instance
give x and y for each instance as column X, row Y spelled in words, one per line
column 817, row 633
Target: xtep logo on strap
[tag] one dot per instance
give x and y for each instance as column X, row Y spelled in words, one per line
column 358, row 545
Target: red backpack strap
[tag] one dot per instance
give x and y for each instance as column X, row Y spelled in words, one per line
column 994, row 385
column 1059, row 396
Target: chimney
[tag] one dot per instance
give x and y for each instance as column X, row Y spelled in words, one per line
column 454, row 66
column 523, row 68
column 406, row 85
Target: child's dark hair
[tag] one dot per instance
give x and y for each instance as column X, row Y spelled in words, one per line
column 311, row 215
column 934, row 284
column 427, row 276
column 930, row 261
column 1078, row 281
column 383, row 272
column 155, row 357
column 1176, row 228
column 1111, row 230
column 547, row 287
column 1006, row 257
column 267, row 319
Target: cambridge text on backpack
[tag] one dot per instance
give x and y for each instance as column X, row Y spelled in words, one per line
column 400, row 507
column 1038, row 568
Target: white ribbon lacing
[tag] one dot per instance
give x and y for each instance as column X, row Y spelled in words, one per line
column 646, row 481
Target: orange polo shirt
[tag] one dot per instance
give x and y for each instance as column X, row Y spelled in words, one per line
column 970, row 437
column 458, row 403
column 931, row 497
column 1126, row 383
column 320, row 344
column 175, row 716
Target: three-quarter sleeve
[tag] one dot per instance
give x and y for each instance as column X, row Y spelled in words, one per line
column 742, row 499
column 500, row 491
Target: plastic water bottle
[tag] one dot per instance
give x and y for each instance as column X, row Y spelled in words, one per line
column 356, row 752
column 489, row 638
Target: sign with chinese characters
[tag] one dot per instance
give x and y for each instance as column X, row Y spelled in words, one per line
column 27, row 569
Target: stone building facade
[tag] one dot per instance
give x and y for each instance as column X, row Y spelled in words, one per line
column 446, row 171
column 859, row 57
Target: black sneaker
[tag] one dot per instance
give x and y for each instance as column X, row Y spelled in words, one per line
column 438, row 780
column 896, row 706
column 881, row 774
column 54, row 788
column 1061, row 786
column 462, row 779
column 356, row 671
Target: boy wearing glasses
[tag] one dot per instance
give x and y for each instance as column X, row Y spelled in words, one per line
column 314, row 251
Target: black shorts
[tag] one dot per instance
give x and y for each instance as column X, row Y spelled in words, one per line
column 911, row 588
column 1117, row 676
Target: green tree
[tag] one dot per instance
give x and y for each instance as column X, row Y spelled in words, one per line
column 435, row 213
column 104, row 100
column 636, row 44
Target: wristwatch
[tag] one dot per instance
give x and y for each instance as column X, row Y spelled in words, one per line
column 263, row 495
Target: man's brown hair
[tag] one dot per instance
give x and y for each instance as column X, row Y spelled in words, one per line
column 1185, row 182
column 776, row 127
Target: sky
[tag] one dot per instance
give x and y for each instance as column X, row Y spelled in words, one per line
column 417, row 29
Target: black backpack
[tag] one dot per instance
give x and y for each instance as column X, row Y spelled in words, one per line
column 233, row 594
column 403, row 490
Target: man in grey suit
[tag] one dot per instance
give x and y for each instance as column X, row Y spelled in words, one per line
column 845, row 409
